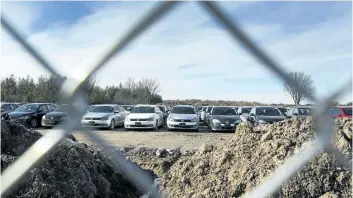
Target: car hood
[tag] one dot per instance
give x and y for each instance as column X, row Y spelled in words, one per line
column 140, row 115
column 55, row 114
column 18, row 114
column 226, row 117
column 97, row 115
column 183, row 116
column 271, row 118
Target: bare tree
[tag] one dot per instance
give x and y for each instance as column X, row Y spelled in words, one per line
column 150, row 86
column 304, row 82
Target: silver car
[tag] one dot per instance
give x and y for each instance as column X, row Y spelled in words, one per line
column 104, row 116
column 183, row 117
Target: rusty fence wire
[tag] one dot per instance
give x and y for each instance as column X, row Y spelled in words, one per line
column 33, row 156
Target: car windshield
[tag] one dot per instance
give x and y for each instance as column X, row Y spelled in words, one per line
column 102, row 109
column 64, row 108
column 347, row 110
column 142, row 110
column 267, row 111
column 183, row 110
column 245, row 110
column 305, row 111
column 27, row 108
column 223, row 111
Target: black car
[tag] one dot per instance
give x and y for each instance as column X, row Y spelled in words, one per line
column 31, row 114
column 60, row 114
column 265, row 115
column 7, row 108
column 223, row 119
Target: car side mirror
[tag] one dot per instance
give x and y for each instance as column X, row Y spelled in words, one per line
column 40, row 111
column 295, row 114
column 116, row 111
column 240, row 113
column 251, row 114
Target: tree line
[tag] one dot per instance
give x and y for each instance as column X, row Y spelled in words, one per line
column 45, row 89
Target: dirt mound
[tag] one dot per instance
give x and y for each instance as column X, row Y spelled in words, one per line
column 247, row 160
column 72, row 170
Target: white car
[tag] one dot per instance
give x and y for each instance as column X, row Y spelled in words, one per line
column 183, row 117
column 104, row 116
column 144, row 117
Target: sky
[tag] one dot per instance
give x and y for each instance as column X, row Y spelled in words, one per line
column 187, row 52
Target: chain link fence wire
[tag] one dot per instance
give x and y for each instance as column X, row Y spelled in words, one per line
column 12, row 176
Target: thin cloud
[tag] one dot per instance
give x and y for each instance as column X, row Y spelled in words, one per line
column 182, row 40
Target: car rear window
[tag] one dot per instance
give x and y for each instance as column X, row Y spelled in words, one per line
column 347, row 110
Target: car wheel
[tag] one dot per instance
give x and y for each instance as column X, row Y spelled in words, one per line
column 156, row 126
column 33, row 123
column 112, row 124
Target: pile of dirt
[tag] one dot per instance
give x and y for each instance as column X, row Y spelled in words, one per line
column 72, row 170
column 247, row 160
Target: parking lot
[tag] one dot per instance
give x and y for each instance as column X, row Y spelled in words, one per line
column 161, row 138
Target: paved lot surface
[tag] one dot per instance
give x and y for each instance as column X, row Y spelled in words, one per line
column 159, row 139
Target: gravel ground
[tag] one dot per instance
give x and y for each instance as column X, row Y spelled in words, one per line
column 160, row 139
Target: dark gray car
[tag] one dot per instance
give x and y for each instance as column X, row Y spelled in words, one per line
column 223, row 119
column 7, row 108
column 265, row 115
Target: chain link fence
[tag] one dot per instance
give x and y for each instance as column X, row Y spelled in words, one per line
column 33, row 156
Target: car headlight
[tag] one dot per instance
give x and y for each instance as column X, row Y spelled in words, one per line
column 171, row 119
column 150, row 119
column 194, row 120
column 215, row 121
column 43, row 117
column 105, row 118
column 262, row 121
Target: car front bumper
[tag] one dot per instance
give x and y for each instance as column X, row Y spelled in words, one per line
column 139, row 124
column 223, row 127
column 182, row 125
column 96, row 123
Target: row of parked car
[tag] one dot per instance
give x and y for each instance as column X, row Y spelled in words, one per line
column 143, row 116
column 264, row 114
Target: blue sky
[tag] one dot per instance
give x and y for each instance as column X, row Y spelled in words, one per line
column 187, row 52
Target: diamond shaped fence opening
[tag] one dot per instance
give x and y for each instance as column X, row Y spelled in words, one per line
column 33, row 156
